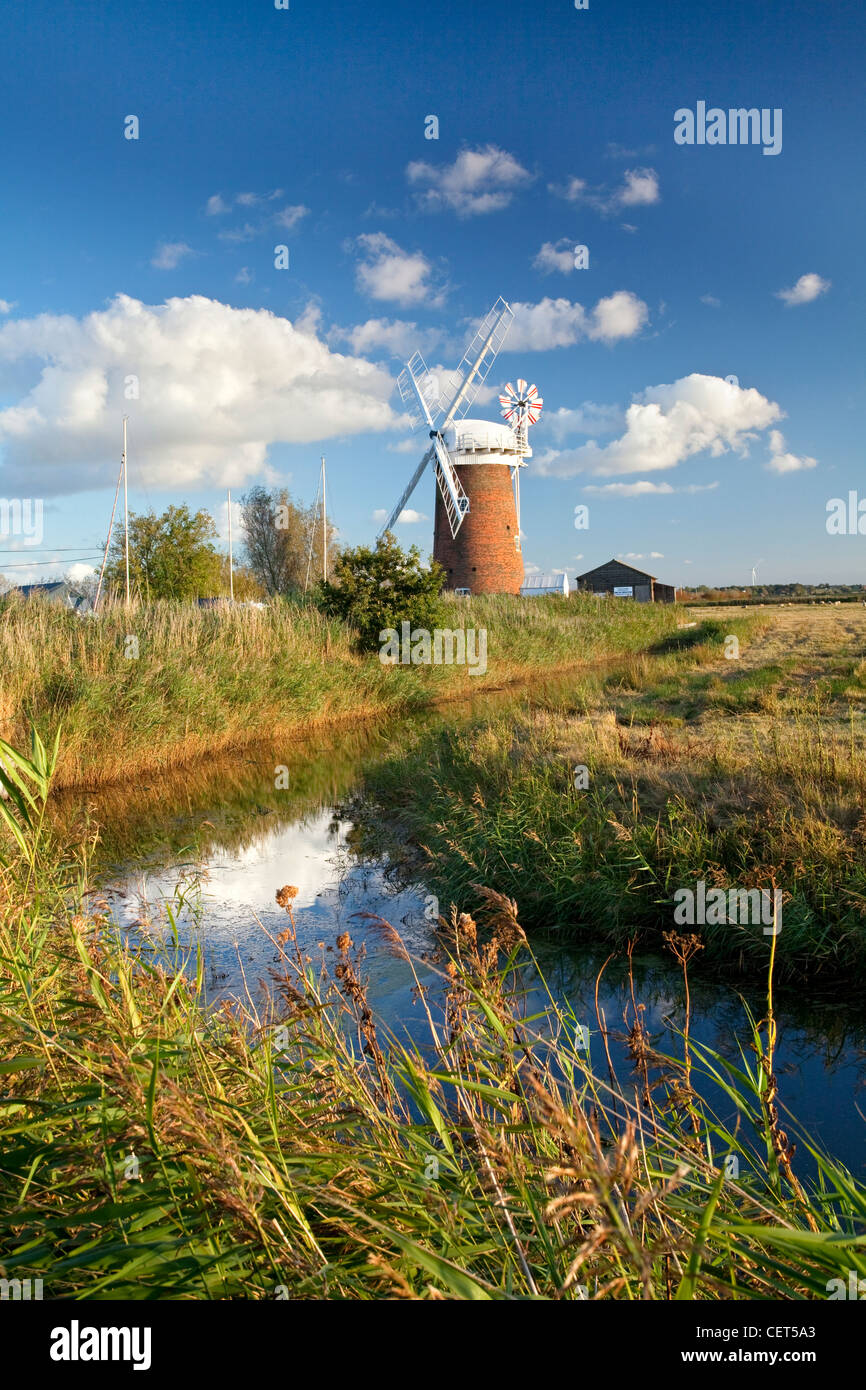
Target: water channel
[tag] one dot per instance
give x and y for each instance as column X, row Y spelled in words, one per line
column 217, row 840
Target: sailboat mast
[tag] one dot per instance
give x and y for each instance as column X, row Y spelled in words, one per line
column 125, row 511
column 324, row 527
column 108, row 540
column 231, row 561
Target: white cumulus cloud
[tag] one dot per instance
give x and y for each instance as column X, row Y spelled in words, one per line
column 667, row 424
column 644, row 488
column 253, row 200
column 587, row 418
column 388, row 272
column 781, row 461
column 639, row 188
column 553, row 323
column 572, row 190
column 217, row 386
column 807, row 288
column 398, row 337
column 289, row 217
column 222, row 520
column 641, row 489
column 80, row 570
column 408, row 516
column 479, row 181
column 217, row 205
column 238, row 234
column 285, row 219
column 169, row 254
column 555, row 255
column 621, row 315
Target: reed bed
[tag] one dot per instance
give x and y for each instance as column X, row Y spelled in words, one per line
column 153, row 1149
column 147, row 689
column 748, row 779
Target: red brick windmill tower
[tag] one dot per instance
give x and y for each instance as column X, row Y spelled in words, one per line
column 476, row 534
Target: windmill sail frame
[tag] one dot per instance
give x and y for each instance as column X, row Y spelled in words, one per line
column 471, row 371
column 418, row 391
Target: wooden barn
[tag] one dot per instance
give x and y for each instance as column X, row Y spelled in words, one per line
column 624, row 581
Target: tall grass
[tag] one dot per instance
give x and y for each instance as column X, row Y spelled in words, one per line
column 153, row 687
column 740, row 782
column 153, row 1150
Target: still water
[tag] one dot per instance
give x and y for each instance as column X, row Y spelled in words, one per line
column 217, row 841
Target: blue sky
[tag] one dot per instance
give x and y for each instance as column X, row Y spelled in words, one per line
column 305, row 127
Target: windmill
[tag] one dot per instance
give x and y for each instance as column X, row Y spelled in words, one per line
column 476, row 535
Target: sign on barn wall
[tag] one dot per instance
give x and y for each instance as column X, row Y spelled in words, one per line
column 623, row 591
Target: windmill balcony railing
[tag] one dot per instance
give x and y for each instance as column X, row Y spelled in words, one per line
column 485, row 444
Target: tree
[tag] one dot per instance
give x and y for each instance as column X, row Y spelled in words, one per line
column 245, row 585
column 378, row 589
column 170, row 556
column 278, row 533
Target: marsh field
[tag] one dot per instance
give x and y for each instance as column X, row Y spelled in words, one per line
column 419, row 1022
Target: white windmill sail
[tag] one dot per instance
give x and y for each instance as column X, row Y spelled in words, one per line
column 418, row 390
column 450, row 486
column 474, row 365
column 410, row 488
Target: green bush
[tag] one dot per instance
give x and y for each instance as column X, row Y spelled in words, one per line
column 377, row 589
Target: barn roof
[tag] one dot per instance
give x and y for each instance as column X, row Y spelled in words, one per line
column 57, row 591
column 617, row 564
column 51, row 586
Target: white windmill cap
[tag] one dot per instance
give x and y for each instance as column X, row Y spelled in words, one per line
column 471, row 435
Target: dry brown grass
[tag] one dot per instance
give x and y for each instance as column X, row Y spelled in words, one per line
column 207, row 681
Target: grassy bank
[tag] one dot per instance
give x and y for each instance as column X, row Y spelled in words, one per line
column 203, row 681
column 745, row 774
column 150, row 1150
